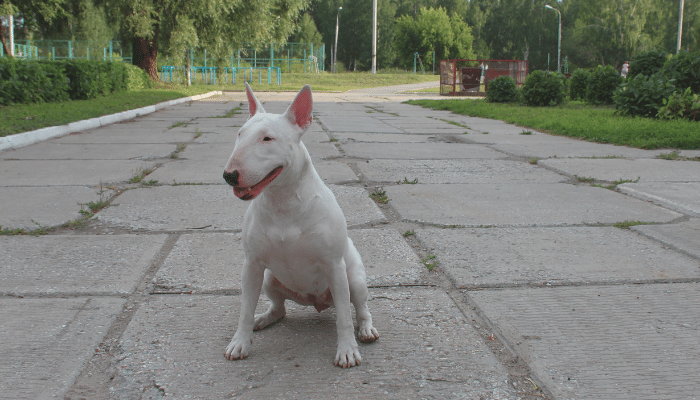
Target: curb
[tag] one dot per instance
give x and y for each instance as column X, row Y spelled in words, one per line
column 25, row 139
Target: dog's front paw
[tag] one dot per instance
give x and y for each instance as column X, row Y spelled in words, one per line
column 347, row 356
column 367, row 334
column 238, row 348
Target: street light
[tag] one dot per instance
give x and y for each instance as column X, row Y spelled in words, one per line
column 559, row 44
column 335, row 52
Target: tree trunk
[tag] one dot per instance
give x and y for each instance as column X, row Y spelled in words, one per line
column 145, row 54
column 4, row 42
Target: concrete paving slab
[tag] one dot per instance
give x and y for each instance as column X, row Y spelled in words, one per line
column 315, row 135
column 57, row 150
column 69, row 172
column 570, row 148
column 684, row 236
column 457, row 171
column 452, row 130
column 174, row 346
column 520, row 205
column 175, row 208
column 45, row 343
column 211, row 207
column 323, row 150
column 683, row 197
column 356, row 124
column 610, row 342
column 382, row 137
column 132, row 134
column 496, row 257
column 31, row 207
column 334, row 171
column 60, row 264
column 211, row 262
column 419, row 151
column 208, row 171
column 646, row 170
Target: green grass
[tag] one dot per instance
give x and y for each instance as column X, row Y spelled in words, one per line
column 575, row 119
column 326, row 82
column 626, row 224
column 27, row 117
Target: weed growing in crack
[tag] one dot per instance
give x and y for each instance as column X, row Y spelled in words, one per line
column 409, row 233
column 379, row 195
column 180, row 147
column 332, row 140
column 614, row 184
column 197, row 133
column 526, row 133
column 454, row 123
column 407, row 182
column 152, row 182
column 626, row 224
column 533, row 160
column 139, row 175
column 676, row 157
column 430, row 262
column 177, row 124
column 584, row 179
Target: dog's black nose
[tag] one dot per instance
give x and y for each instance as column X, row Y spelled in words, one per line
column 231, row 178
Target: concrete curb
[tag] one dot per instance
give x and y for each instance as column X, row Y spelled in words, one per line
column 39, row 135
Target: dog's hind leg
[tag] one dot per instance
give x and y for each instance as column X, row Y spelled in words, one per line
column 274, row 291
column 358, row 294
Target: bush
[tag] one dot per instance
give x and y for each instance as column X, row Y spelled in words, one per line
column 647, row 63
column 502, row 90
column 28, row 81
column 602, row 84
column 137, row 78
column 684, row 68
column 544, row 89
column 642, row 95
column 685, row 105
column 578, row 84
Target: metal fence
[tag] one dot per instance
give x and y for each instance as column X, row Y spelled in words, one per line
column 472, row 77
column 70, row 49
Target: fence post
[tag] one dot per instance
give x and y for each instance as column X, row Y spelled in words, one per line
column 414, row 62
column 304, row 60
column 111, row 49
column 70, row 49
column 255, row 59
column 272, row 56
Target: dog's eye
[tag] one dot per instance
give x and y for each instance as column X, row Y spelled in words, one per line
column 267, row 139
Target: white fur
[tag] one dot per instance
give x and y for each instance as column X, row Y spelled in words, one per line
column 294, row 233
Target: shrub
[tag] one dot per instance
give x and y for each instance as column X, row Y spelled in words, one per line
column 137, row 78
column 647, row 63
column 602, row 84
column 544, row 89
column 684, row 68
column 502, row 90
column 642, row 95
column 685, row 105
column 578, row 84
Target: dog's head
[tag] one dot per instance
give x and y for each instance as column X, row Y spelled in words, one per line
column 267, row 144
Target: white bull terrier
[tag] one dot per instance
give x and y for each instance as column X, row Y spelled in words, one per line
column 294, row 233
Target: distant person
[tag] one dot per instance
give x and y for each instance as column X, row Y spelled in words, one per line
column 625, row 69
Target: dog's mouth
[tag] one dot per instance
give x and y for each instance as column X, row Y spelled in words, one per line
column 251, row 192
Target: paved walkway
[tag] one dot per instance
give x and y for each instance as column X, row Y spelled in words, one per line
column 534, row 293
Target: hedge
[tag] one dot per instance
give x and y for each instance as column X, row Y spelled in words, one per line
column 30, row 81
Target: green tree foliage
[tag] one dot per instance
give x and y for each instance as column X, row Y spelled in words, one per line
column 502, row 90
column 174, row 25
column 602, row 84
column 433, row 30
column 647, row 63
column 306, row 31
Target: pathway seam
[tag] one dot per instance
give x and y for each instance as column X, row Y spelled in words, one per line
column 39, row 135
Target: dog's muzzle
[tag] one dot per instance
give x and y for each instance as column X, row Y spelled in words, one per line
column 231, row 178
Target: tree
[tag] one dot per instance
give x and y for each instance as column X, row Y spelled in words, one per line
column 433, row 30
column 176, row 25
column 306, row 31
column 31, row 14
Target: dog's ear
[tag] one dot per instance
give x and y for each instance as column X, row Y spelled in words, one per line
column 254, row 105
column 299, row 112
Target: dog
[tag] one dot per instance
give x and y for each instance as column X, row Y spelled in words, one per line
column 294, row 233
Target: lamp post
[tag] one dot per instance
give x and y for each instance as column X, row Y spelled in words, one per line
column 559, row 43
column 335, row 51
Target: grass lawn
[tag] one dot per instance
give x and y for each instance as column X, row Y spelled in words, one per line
column 26, row 117
column 578, row 120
